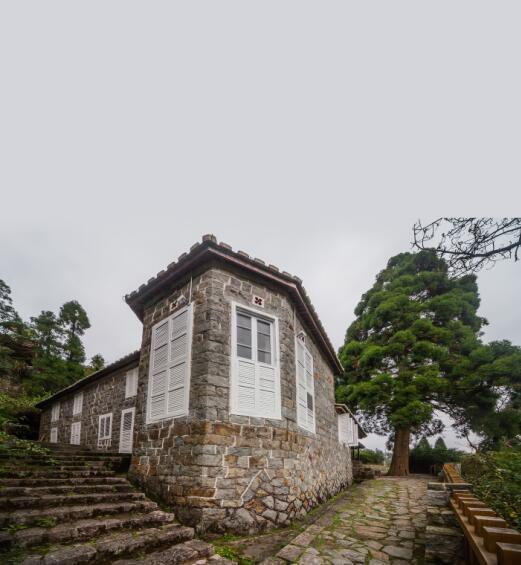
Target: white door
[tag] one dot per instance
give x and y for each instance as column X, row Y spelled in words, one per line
column 126, row 433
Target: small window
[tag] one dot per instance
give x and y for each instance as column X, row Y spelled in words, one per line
column 54, row 435
column 75, row 433
column 131, row 383
column 78, row 404
column 343, row 429
column 105, row 429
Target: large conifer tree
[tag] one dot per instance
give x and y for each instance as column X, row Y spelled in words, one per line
column 404, row 351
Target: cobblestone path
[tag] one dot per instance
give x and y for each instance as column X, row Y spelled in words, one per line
column 382, row 521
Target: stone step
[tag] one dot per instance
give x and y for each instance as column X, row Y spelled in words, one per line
column 187, row 552
column 29, row 517
column 115, row 545
column 46, row 500
column 81, row 530
column 54, row 473
column 72, row 481
column 61, row 488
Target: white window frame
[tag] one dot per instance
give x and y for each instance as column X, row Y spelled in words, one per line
column 77, row 405
column 304, row 425
column 75, row 425
column 275, row 358
column 53, row 435
column 104, row 438
column 123, row 412
column 55, row 412
column 184, row 411
column 131, row 377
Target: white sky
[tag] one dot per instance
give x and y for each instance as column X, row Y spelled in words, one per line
column 311, row 135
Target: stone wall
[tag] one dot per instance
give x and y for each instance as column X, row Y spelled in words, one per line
column 443, row 535
column 107, row 394
column 226, row 472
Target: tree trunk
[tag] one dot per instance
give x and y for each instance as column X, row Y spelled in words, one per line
column 400, row 461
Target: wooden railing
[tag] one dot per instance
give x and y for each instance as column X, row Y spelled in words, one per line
column 488, row 539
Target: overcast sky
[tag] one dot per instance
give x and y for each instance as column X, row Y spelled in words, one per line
column 309, row 134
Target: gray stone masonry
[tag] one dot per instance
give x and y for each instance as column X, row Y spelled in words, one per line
column 225, row 472
column 102, row 396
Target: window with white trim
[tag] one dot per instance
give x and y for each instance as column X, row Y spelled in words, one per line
column 105, row 429
column 305, row 385
column 169, row 371
column 55, row 413
column 54, row 435
column 255, row 364
column 131, row 383
column 76, row 433
column 353, row 432
column 77, row 405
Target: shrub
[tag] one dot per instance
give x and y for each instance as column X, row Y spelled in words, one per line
column 496, row 480
column 426, row 459
column 371, row 457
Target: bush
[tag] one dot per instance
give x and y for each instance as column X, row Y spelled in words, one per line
column 19, row 416
column 496, row 480
column 371, row 457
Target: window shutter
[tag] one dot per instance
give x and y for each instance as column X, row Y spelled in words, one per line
column 301, row 385
column 78, row 404
column 170, row 366
column 246, row 386
column 127, row 430
column 178, row 363
column 131, row 383
column 343, row 428
column 158, row 375
column 54, row 435
column 76, row 433
column 55, row 414
column 310, row 389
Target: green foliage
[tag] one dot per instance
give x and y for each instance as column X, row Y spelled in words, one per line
column 407, row 348
column 371, row 457
column 46, row 354
column 46, row 522
column 13, row 528
column 426, row 459
column 15, row 447
column 496, row 480
column 231, row 554
column 96, row 364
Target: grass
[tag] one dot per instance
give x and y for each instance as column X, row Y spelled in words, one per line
column 46, row 522
column 230, row 553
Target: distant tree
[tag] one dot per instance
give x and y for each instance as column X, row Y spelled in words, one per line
column 48, row 334
column 488, row 400
column 440, row 444
column 469, row 244
column 96, row 364
column 74, row 321
column 412, row 329
column 16, row 347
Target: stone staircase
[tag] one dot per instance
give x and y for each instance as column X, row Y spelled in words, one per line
column 78, row 507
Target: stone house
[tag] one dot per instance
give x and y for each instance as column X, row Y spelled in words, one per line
column 228, row 407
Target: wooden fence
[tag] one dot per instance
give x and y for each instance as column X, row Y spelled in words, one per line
column 488, row 539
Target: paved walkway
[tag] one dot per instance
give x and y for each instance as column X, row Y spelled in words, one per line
column 380, row 521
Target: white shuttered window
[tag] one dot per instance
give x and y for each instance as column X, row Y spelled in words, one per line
column 76, row 433
column 255, row 364
column 131, row 383
column 77, row 406
column 305, row 386
column 54, row 435
column 343, row 429
column 127, row 430
column 169, row 373
column 55, row 413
